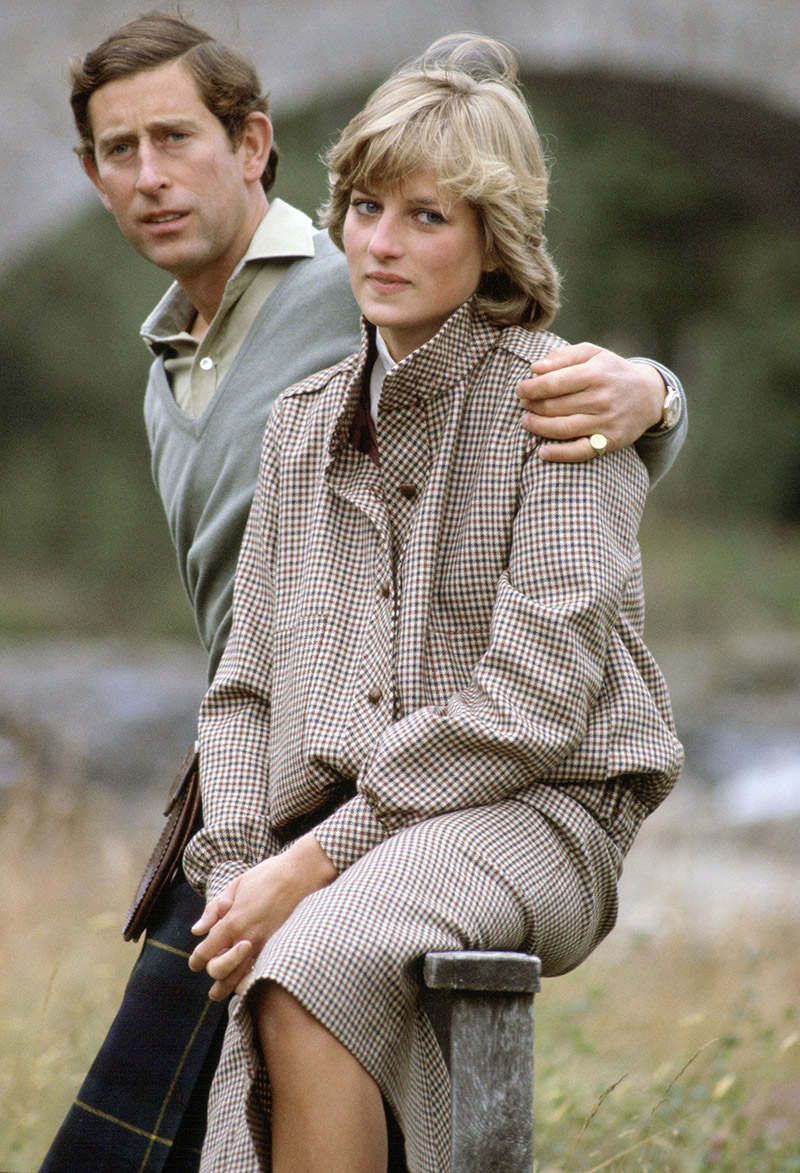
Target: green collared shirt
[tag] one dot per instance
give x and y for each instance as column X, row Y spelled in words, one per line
column 196, row 367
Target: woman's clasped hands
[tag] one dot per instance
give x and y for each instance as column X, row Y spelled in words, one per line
column 237, row 924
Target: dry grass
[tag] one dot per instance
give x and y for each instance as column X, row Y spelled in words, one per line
column 675, row 1057
column 68, row 865
column 676, row 1046
column 671, row 1049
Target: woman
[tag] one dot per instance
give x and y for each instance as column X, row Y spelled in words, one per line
column 435, row 725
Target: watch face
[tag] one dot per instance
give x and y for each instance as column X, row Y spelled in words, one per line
column 672, row 408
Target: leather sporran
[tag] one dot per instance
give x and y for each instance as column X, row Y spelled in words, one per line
column 182, row 813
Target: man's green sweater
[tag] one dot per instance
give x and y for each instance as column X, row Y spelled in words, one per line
column 206, row 469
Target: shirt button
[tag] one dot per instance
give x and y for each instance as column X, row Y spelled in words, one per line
column 374, row 695
column 206, row 364
column 407, row 490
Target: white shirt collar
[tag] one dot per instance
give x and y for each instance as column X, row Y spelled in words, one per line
column 384, row 365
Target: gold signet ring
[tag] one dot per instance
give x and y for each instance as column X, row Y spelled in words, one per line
column 599, row 443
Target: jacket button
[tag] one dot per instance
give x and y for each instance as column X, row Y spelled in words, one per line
column 407, row 490
column 374, row 695
column 385, row 590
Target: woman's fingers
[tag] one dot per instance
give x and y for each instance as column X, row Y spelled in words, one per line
column 213, row 912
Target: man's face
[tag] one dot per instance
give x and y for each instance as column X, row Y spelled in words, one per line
column 165, row 167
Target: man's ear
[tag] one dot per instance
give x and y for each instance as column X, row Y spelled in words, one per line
column 90, row 168
column 257, row 139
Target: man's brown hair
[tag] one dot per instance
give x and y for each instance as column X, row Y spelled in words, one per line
column 226, row 80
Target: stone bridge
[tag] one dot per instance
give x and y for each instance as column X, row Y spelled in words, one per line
column 745, row 48
column 719, row 79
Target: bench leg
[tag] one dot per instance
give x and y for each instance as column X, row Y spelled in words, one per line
column 483, row 1012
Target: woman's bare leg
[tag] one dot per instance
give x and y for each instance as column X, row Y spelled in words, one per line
column 327, row 1112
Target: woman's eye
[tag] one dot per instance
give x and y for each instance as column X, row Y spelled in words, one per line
column 364, row 207
column 427, row 216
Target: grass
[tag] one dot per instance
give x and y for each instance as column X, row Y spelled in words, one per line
column 68, row 865
column 673, row 1058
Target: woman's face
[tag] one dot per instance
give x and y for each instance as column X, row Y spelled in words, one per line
column 413, row 258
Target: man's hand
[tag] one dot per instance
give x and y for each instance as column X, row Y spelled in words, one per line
column 242, row 918
column 579, row 390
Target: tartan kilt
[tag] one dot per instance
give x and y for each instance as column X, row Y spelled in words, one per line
column 142, row 1105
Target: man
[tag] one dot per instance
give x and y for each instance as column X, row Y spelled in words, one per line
column 176, row 137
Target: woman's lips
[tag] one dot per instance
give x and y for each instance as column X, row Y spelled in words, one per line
column 387, row 282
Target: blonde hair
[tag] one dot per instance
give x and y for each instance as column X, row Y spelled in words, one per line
column 459, row 110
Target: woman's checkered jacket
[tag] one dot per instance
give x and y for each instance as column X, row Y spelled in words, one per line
column 457, row 624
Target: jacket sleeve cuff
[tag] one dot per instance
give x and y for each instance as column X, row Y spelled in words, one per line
column 220, row 877
column 350, row 832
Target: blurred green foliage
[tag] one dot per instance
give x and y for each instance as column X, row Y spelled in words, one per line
column 659, row 261
column 656, row 260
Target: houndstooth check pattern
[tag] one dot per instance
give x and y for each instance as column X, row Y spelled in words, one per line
column 451, row 637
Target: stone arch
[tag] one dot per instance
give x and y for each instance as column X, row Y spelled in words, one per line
column 743, row 144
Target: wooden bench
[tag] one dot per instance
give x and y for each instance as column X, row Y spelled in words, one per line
column 481, row 1007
